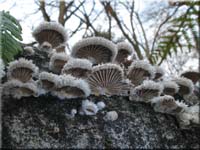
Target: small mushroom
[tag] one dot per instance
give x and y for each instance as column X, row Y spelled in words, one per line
column 79, row 68
column 89, row 108
column 192, row 75
column 70, row 87
column 124, row 50
column 186, row 86
column 146, row 91
column 60, row 48
column 50, row 35
column 57, row 61
column 106, row 79
column 159, row 72
column 96, row 49
column 139, row 71
column 170, row 87
column 22, row 70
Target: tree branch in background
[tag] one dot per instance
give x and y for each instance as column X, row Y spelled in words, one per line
column 43, row 10
column 62, row 10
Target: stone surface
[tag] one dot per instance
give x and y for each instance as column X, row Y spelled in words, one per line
column 42, row 123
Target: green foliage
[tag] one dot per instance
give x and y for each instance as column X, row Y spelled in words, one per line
column 182, row 34
column 10, row 35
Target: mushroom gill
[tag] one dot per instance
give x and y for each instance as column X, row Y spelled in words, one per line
column 106, row 79
column 48, row 81
column 192, row 75
column 170, row 87
column 97, row 49
column 146, row 91
column 50, row 35
column 139, row 71
column 57, row 61
column 159, row 72
column 18, row 89
column 22, row 70
column 71, row 87
column 186, row 86
column 124, row 50
column 165, row 104
column 79, row 68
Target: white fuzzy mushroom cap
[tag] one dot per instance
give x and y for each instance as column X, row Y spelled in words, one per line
column 149, row 84
column 89, row 108
column 77, row 63
column 161, row 98
column 143, row 65
column 29, row 50
column 158, row 69
column 12, row 86
column 125, row 46
column 57, row 56
column 51, row 26
column 171, row 84
column 21, row 63
column 108, row 66
column 185, row 82
column 111, row 116
column 101, row 105
column 95, row 41
column 68, row 80
column 49, row 77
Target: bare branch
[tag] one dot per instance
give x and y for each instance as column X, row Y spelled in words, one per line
column 43, row 10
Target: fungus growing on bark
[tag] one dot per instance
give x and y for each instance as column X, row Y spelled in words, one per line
column 57, row 61
column 165, row 104
column 170, row 87
column 18, row 89
column 96, row 49
column 106, row 79
column 186, row 86
column 192, row 75
column 88, row 108
column 80, row 68
column 48, row 81
column 71, row 87
column 50, row 35
column 22, row 70
column 146, row 91
column 159, row 72
column 139, row 71
column 124, row 50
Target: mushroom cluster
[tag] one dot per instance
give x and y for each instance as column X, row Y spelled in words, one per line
column 97, row 66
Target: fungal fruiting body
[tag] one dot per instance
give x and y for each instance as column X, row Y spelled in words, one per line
column 79, row 68
column 96, row 49
column 139, row 71
column 88, row 108
column 165, row 104
column 71, row 87
column 111, row 116
column 186, row 86
column 18, row 89
column 57, row 61
column 170, row 87
column 48, row 81
column 106, row 79
column 101, row 105
column 60, row 49
column 124, row 50
column 50, row 35
column 159, row 72
column 146, row 91
column 21, row 70
column 29, row 50
column 192, row 75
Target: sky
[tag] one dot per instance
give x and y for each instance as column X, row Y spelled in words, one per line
column 24, row 11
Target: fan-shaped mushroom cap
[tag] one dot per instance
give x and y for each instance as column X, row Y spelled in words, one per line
column 89, row 108
column 170, row 87
column 48, row 81
column 22, row 70
column 18, row 89
column 186, row 86
column 71, row 87
column 60, row 48
column 57, row 61
column 159, row 72
column 192, row 75
column 146, row 91
column 106, row 79
column 124, row 50
column 139, row 71
column 97, row 49
column 50, row 34
column 165, row 104
column 77, row 67
column 29, row 50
